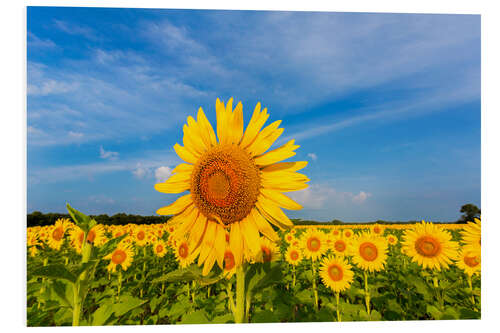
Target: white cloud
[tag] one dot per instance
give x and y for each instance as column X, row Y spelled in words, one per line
column 313, row 156
column 162, row 173
column 141, row 171
column 361, row 197
column 50, row 87
column 36, row 42
column 110, row 155
column 75, row 29
column 319, row 196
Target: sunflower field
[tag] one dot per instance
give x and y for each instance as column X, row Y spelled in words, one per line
column 229, row 254
column 84, row 273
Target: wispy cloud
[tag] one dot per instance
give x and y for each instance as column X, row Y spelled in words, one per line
column 36, row 42
column 110, row 155
column 76, row 29
column 313, row 156
column 321, row 196
column 162, row 173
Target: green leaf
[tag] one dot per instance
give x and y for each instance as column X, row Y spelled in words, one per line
column 434, row 312
column 80, row 219
column 126, row 304
column 469, row 314
column 102, row 314
column 190, row 273
column 197, row 317
column 264, row 317
column 224, row 319
column 109, row 246
column 64, row 292
column 55, row 271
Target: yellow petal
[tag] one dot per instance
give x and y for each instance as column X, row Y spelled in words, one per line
column 263, row 226
column 220, row 245
column 183, row 167
column 206, row 127
column 187, row 225
column 208, row 241
column 285, row 166
column 236, row 126
column 256, row 122
column 261, row 137
column 209, row 263
column 280, row 199
column 197, row 231
column 251, row 235
column 178, row 206
column 273, row 213
column 236, row 243
column 172, row 187
column 277, row 154
column 185, row 154
column 178, row 219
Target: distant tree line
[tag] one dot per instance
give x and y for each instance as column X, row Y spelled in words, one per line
column 39, row 219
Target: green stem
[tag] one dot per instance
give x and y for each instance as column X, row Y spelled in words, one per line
column 77, row 306
column 367, row 293
column 208, row 291
column 79, row 294
column 240, row 295
column 193, row 293
column 119, row 282
column 337, row 297
column 469, row 279
column 315, row 289
column 188, row 290
column 230, row 299
column 293, row 276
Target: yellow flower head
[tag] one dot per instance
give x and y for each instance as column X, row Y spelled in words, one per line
column 347, row 233
column 234, row 184
column 289, row 238
column 429, row 246
column 469, row 261
column 336, row 273
column 159, row 248
column 377, row 229
column 183, row 253
column 392, row 239
column 339, row 245
column 269, row 252
column 313, row 243
column 229, row 263
column 56, row 234
column 140, row 236
column 122, row 256
column 369, row 251
column 293, row 255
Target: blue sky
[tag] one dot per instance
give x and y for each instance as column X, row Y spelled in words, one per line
column 386, row 107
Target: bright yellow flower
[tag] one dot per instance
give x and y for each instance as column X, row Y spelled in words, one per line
column 160, row 248
column 339, row 245
column 336, row 273
column 469, row 261
column 183, row 253
column 313, row 243
column 369, row 251
column 269, row 252
column 229, row 263
column 56, row 234
column 377, row 229
column 140, row 236
column 347, row 233
column 429, row 246
column 233, row 183
column 293, row 255
column 392, row 239
column 122, row 256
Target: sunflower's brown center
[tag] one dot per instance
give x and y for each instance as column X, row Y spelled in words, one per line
column 289, row 237
column 58, row 233
column 118, row 256
column 335, row 232
column 294, row 255
column 183, row 251
column 159, row 248
column 377, row 230
column 313, row 244
column 141, row 235
column 368, row 251
column 340, row 245
column 91, row 236
column 225, row 183
column 335, row 272
column 347, row 234
column 266, row 254
column 228, row 260
column 471, row 261
column 428, row 246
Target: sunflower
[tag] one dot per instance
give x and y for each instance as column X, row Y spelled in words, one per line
column 469, row 261
column 471, row 235
column 140, row 236
column 377, row 229
column 56, row 234
column 183, row 253
column 289, row 238
column 369, row 251
column 348, row 233
column 293, row 256
column 339, row 245
column 122, row 256
column 159, row 248
column 429, row 246
column 313, row 242
column 336, row 273
column 32, row 242
column 269, row 252
column 96, row 236
column 392, row 239
column 233, row 182
column 229, row 263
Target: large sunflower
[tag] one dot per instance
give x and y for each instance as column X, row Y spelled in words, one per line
column 233, row 182
column 293, row 255
column 469, row 261
column 369, row 251
column 429, row 246
column 336, row 273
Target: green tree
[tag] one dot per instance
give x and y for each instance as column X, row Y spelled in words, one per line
column 470, row 212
